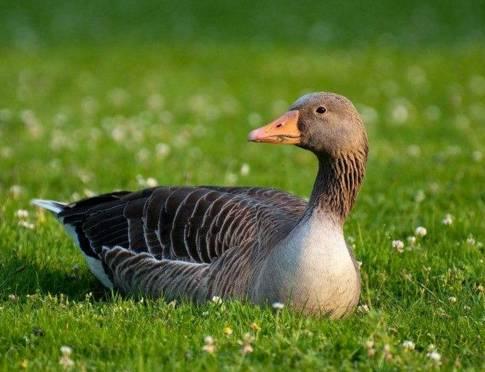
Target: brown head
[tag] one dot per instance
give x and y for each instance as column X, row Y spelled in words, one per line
column 328, row 125
column 325, row 123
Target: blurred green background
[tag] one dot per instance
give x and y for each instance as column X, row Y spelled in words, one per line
column 99, row 95
column 28, row 24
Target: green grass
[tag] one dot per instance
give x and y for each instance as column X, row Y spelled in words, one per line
column 90, row 117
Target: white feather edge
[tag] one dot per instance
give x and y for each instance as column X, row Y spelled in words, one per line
column 95, row 265
column 51, row 205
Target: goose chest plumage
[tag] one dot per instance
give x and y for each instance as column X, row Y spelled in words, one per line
column 257, row 244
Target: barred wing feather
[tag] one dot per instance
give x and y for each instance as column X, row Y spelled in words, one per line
column 192, row 224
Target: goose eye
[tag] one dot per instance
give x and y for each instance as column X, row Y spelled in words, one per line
column 321, row 110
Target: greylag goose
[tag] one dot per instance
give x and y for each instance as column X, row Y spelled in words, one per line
column 250, row 243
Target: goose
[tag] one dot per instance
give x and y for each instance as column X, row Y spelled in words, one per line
column 254, row 244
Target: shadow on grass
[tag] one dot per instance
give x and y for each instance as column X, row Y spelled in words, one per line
column 22, row 277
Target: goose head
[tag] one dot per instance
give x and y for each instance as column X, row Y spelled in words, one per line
column 325, row 123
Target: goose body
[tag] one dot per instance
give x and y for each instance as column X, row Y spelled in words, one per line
column 258, row 244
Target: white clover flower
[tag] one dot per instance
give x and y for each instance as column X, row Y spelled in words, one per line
column 118, row 133
column 363, row 308
column 217, row 300
column 244, row 169
column 470, row 240
column 166, row 117
column 155, row 102
column 84, row 176
column 434, row 187
column 452, row 299
column 32, row 123
column 89, row 193
column 407, row 276
column 66, row 350
column 140, row 180
column 448, row 220
column 118, row 97
column 398, row 245
column 162, row 150
column 246, row 349
column 387, row 352
column 408, row 345
column 420, row 231
column 65, row 360
column 246, row 344
column 151, row 182
column 414, row 150
column 399, row 113
column 16, row 190
column 411, row 240
column 26, row 224
column 59, row 140
column 231, row 178
column 209, row 345
column 434, row 356
column 369, row 344
column 22, row 214
column 278, row 305
column 420, row 196
column 142, row 155
column 477, row 156
column 89, row 105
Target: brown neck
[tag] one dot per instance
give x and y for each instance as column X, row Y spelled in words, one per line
column 337, row 183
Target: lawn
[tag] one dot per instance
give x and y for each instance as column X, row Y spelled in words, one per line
column 98, row 97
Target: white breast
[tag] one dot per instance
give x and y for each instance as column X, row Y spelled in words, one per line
column 318, row 248
column 313, row 268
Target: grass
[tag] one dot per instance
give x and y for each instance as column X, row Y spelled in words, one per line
column 103, row 114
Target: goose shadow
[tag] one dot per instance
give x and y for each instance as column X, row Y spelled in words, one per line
column 22, row 277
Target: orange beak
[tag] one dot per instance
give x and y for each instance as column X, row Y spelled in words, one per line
column 283, row 130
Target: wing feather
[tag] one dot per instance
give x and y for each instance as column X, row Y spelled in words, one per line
column 193, row 224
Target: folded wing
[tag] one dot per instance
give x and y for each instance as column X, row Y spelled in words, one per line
column 191, row 224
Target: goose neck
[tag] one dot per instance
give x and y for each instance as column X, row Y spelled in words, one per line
column 337, row 184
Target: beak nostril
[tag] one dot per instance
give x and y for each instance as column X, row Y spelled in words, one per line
column 283, row 130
